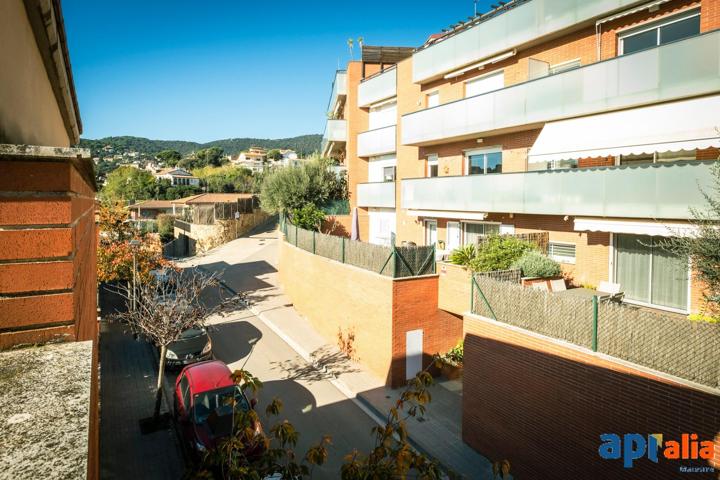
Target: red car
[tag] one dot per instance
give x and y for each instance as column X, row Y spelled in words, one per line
column 204, row 398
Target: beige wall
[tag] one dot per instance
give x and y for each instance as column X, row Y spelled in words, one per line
column 334, row 296
column 454, row 288
column 29, row 113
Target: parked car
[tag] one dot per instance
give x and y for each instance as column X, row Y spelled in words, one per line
column 194, row 345
column 204, row 398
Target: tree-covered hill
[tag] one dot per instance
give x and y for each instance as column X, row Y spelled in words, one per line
column 303, row 145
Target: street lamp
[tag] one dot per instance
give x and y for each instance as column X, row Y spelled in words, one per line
column 134, row 244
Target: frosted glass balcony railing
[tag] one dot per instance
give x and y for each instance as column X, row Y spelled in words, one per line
column 673, row 71
column 521, row 24
column 377, row 194
column 335, row 131
column 377, row 142
column 377, row 88
column 664, row 191
column 339, row 89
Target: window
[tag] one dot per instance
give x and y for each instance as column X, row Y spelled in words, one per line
column 659, row 33
column 185, row 392
column 562, row 252
column 430, row 232
column 473, row 231
column 432, row 99
column 432, row 166
column 658, row 157
column 383, row 115
column 389, row 174
column 564, row 66
column 553, row 165
column 480, row 162
column 484, row 84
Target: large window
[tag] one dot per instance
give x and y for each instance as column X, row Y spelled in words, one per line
column 480, row 162
column 663, row 31
column 473, row 231
column 484, row 84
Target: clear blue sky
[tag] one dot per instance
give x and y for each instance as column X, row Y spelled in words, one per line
column 209, row 69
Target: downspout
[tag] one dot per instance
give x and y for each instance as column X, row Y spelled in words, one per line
column 598, row 39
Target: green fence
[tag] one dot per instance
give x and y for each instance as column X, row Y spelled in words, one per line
column 666, row 342
column 336, row 207
column 392, row 261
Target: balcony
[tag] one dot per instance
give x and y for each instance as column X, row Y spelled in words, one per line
column 521, row 25
column 378, row 87
column 334, row 137
column 377, row 194
column 673, row 71
column 376, row 142
column 664, row 191
column 339, row 92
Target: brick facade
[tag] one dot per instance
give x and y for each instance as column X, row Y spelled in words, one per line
column 543, row 405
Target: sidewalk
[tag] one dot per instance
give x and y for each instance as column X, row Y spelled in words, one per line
column 249, row 264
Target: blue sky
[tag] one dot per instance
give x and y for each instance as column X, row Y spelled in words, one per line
column 209, row 69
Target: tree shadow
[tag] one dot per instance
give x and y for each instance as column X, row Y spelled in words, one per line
column 327, row 363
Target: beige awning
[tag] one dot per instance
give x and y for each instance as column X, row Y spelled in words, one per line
column 667, row 127
column 661, row 229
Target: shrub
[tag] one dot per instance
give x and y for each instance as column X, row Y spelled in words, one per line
column 499, row 253
column 535, row 264
column 165, row 225
column 463, row 255
column 699, row 317
column 308, row 217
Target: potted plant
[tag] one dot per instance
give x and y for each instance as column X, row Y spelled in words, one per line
column 451, row 362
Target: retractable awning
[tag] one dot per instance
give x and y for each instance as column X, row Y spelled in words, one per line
column 661, row 229
column 667, row 127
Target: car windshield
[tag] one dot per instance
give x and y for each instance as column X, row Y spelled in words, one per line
column 218, row 403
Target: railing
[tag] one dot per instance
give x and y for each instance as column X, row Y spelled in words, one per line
column 376, row 194
column 339, row 89
column 377, row 88
column 665, row 190
column 377, row 142
column 520, row 25
column 335, row 131
column 665, row 342
column 682, row 69
column 392, row 261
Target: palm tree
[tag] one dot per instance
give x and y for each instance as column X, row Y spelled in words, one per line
column 350, row 46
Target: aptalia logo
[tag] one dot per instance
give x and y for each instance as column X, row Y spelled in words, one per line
column 632, row 446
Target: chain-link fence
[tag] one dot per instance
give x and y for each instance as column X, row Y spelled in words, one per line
column 396, row 262
column 663, row 341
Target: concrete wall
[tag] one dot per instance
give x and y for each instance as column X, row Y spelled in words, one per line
column 201, row 238
column 454, row 288
column 29, row 112
column 542, row 405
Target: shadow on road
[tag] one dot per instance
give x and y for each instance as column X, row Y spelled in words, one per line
column 244, row 334
column 326, row 365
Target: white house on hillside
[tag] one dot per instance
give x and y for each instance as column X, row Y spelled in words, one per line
column 178, row 176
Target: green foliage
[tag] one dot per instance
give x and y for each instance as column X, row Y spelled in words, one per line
column 308, row 217
column 169, row 157
column 454, row 356
column 212, row 156
column 128, row 184
column 179, row 191
column 463, row 255
column 165, row 225
column 499, row 253
column 227, row 179
column 274, row 154
column 288, row 189
column 699, row 317
column 535, row 264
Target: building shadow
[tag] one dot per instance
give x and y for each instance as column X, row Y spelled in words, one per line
column 244, row 334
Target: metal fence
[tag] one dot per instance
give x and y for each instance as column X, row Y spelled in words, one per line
column 666, row 342
column 392, row 261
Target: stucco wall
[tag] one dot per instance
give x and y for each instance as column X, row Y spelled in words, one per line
column 334, row 297
column 453, row 288
column 29, row 113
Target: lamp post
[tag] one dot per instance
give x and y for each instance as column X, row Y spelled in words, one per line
column 134, row 244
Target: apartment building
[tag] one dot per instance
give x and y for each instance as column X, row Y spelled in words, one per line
column 592, row 120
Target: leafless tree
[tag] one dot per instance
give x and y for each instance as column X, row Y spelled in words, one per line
column 174, row 301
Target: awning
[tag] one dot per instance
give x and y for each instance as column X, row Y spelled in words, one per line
column 661, row 229
column 447, row 214
column 667, row 127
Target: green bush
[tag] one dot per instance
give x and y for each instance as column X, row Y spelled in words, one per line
column 308, row 217
column 499, row 253
column 165, row 225
column 463, row 255
column 535, row 264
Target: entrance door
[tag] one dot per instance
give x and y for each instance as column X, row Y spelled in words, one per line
column 413, row 353
column 453, row 235
column 430, row 232
column 649, row 274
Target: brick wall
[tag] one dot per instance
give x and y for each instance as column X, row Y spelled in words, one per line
column 543, row 405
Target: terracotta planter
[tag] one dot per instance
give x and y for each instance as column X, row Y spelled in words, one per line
column 451, row 372
column 529, row 281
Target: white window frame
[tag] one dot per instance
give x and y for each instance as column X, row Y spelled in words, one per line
column 432, row 159
column 562, row 258
column 463, row 224
column 655, row 24
column 480, row 151
column 427, row 222
column 500, row 72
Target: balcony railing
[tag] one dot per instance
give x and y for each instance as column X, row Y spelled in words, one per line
column 377, row 194
column 335, row 131
column 377, row 142
column 520, row 25
column 377, row 88
column 666, row 190
column 339, row 90
column 685, row 68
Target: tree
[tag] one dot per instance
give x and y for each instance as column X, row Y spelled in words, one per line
column 128, row 184
column 169, row 157
column 703, row 246
column 274, row 154
column 212, row 156
column 166, row 307
column 308, row 217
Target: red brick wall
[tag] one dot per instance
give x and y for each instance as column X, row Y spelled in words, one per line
column 543, row 406
column 415, row 306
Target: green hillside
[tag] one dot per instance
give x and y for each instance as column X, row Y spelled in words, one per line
column 303, row 145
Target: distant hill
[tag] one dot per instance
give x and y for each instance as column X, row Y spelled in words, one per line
column 303, row 145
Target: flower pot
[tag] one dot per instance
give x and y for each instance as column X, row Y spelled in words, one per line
column 451, row 372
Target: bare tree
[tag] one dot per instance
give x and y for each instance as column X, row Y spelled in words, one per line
column 171, row 303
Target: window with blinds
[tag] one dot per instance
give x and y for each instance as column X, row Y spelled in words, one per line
column 562, row 252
